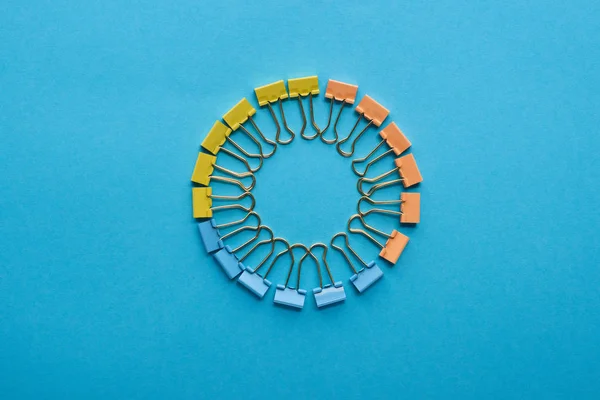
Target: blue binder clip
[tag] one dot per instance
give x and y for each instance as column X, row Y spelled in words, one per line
column 209, row 229
column 228, row 262
column 289, row 296
column 255, row 283
column 211, row 238
column 332, row 293
column 226, row 257
column 365, row 277
column 250, row 279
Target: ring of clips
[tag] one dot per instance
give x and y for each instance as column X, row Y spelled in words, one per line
column 252, row 270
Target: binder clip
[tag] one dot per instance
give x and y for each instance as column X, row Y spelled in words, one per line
column 394, row 245
column 406, row 167
column 410, row 207
column 218, row 135
column 331, row 293
column 251, row 279
column 340, row 91
column 206, row 164
column 209, row 232
column 226, row 257
column 303, row 87
column 210, row 235
column 286, row 295
column 271, row 93
column 394, row 138
column 238, row 115
column 373, row 112
column 202, row 198
column 365, row 277
column 409, row 172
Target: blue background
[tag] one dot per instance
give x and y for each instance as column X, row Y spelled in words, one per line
column 106, row 291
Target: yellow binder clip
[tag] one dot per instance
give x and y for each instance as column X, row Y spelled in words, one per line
column 394, row 138
column 206, row 164
column 394, row 245
column 303, row 87
column 218, row 135
column 202, row 202
column 238, row 115
column 373, row 112
column 274, row 93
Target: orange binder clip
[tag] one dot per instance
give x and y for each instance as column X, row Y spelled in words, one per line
column 373, row 112
column 394, row 245
column 406, row 166
column 206, row 164
column 238, row 115
column 340, row 91
column 410, row 208
column 274, row 93
column 409, row 213
column 305, row 87
column 394, row 138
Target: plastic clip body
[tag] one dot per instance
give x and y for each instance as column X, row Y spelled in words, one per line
column 255, row 283
column 211, row 238
column 239, row 114
column 394, row 138
column 408, row 170
column 410, row 208
column 271, row 93
column 341, row 91
column 372, row 110
column 394, row 247
column 366, row 277
column 203, row 169
column 216, row 137
column 201, row 202
column 228, row 262
column 306, row 86
column 290, row 297
column 329, row 294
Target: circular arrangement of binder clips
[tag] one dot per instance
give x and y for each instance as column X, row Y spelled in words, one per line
column 237, row 119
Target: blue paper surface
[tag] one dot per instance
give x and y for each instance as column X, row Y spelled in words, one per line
column 107, row 291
